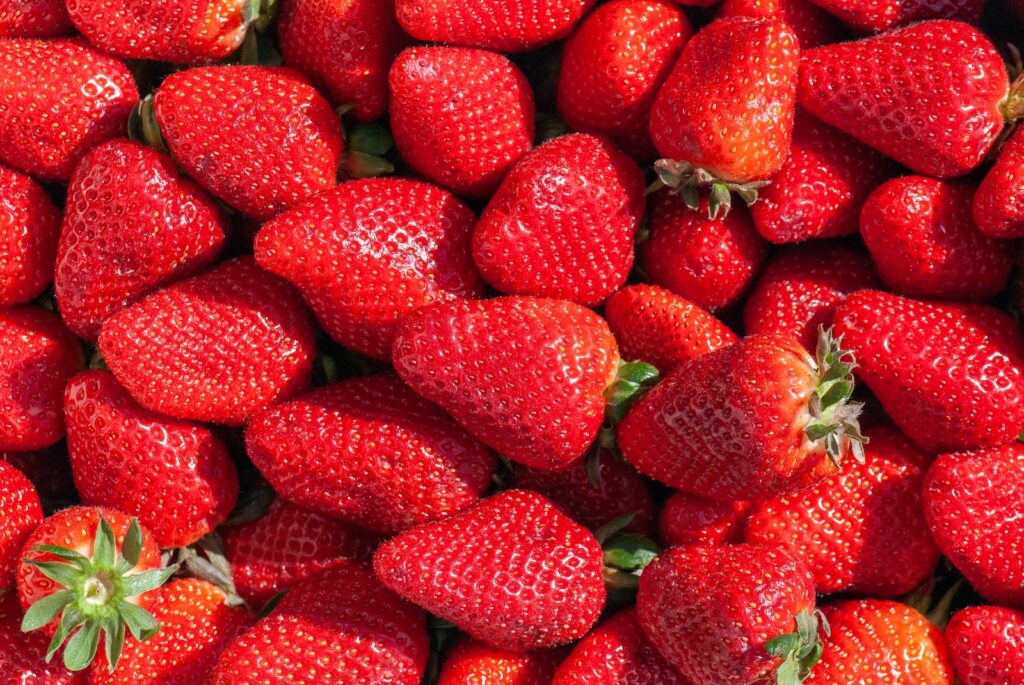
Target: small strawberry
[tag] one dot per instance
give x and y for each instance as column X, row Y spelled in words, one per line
column 33, row 18
column 998, row 208
column 29, row 228
column 19, row 504
column 872, row 16
column 986, row 644
column 48, row 469
column 513, row 571
column 562, row 223
column 470, row 661
column 812, row 25
column 687, row 519
column 23, row 657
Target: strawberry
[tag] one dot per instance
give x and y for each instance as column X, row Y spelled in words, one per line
column 512, row 571
column 613, row 65
column 923, row 242
column 217, row 347
column 22, row 512
column 801, row 286
column 687, row 519
column 951, row 376
column 974, row 505
column 361, row 634
column 367, row 253
column 737, row 614
column 38, row 356
column 369, row 451
column 998, row 208
column 131, row 225
column 436, row 90
column 664, row 329
column 708, row 261
column 885, row 91
column 61, row 98
column 23, row 657
column 29, row 228
column 871, row 16
column 287, row 143
column 33, row 18
column 812, row 25
column 470, row 661
column 986, row 644
column 48, row 469
column 562, row 223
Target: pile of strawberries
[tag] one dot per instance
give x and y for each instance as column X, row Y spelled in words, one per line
column 388, row 342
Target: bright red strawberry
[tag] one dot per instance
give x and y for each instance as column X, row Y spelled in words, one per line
column 37, row 358
column 563, row 222
column 886, row 90
column 986, row 644
column 48, row 469
column 216, row 347
column 801, row 286
column 339, row 626
column 717, row 613
column 687, row 519
column 23, row 657
column 524, row 375
column 512, row 571
column 505, row 25
column 437, row 90
column 613, row 65
column 61, row 98
column 975, row 505
column 470, row 661
column 286, row 140
column 132, row 224
column 998, row 208
column 19, row 504
column 951, row 376
column 812, row 25
column 367, row 253
column 29, row 228
column 33, row 18
column 872, row 16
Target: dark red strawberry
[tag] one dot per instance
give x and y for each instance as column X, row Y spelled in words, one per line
column 470, row 661
column 687, row 519
column 23, row 657
column 19, row 504
column 811, row 24
column 33, row 18
column 29, row 228
column 986, row 644
column 871, row 16
column 998, row 208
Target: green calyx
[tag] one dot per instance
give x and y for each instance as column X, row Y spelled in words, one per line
column 626, row 555
column 799, row 650
column 632, row 380
column 834, row 418
column 96, row 597
column 688, row 181
column 259, row 14
column 365, row 152
column 143, row 127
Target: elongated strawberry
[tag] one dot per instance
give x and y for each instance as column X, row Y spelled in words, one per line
column 562, row 223
column 882, row 15
column 367, row 253
column 687, row 519
column 812, row 25
column 23, row 657
column 33, row 18
column 986, row 643
column 217, row 347
column 998, row 208
column 131, row 225
column 470, row 661
column 29, row 229
column 22, row 512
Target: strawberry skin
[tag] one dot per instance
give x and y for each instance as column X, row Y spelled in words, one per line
column 23, row 658
column 132, row 224
column 367, row 253
column 470, row 661
column 33, row 18
column 22, row 512
column 687, row 519
column 812, row 25
column 872, row 16
column 986, row 644
column 563, row 221
column 29, row 229
column 512, row 571
column 998, row 208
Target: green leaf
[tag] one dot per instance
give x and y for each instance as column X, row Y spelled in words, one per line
column 141, row 624
column 605, row 532
column 66, row 554
column 69, row 620
column 81, row 648
column 788, row 672
column 105, row 546
column 372, row 139
column 113, row 642
column 782, row 645
column 138, row 583
column 836, row 393
column 45, row 610
column 131, row 548
column 630, row 552
column 57, row 571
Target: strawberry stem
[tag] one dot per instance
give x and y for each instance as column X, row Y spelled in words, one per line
column 687, row 181
column 799, row 650
column 834, row 418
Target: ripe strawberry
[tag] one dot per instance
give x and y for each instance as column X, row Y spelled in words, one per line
column 884, row 90
column 801, row 286
column 986, row 644
column 340, row 626
column 812, row 25
column 872, row 16
column 687, row 519
column 33, row 18
column 951, row 376
column 562, row 223
column 367, row 253
column 524, row 375
column 733, row 614
column 22, row 512
column 287, row 140
column 613, row 65
column 923, row 242
column 61, row 98
column 131, row 225
column 217, row 347
column 998, row 208
column 974, row 505
column 512, row 571
column 29, row 228
column 23, row 657
column 48, row 469
column 470, row 661
column 708, row 261
column 36, row 359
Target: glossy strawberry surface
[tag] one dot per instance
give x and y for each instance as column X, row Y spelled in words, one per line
column 880, row 15
column 29, row 229
column 33, row 18
column 470, row 661
column 998, row 208
column 23, row 658
column 812, row 25
column 687, row 519
column 986, row 643
column 19, row 503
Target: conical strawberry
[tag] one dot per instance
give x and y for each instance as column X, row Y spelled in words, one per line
column 470, row 661
column 22, row 512
column 29, row 229
column 998, row 208
column 986, row 644
column 811, row 24
column 687, row 519
column 34, row 19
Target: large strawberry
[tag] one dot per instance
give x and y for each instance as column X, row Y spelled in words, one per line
column 871, row 16
column 216, row 347
column 19, row 504
column 986, row 644
column 23, row 657
column 998, row 208
column 131, row 225
column 687, row 519
column 811, row 24
column 470, row 661
column 29, row 229
column 513, row 571
column 61, row 98
column 563, row 221
column 367, row 253
column 33, row 18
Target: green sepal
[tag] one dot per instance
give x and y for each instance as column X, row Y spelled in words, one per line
column 113, row 641
column 81, row 648
column 687, row 181
column 57, row 571
column 630, row 552
column 834, row 418
column 372, row 138
column 143, row 127
column 799, row 650
column 69, row 620
column 605, row 532
column 356, row 164
column 45, row 610
column 139, row 583
column 131, row 548
column 632, row 380
column 104, row 552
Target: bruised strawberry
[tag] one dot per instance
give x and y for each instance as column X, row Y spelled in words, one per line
column 998, row 208
column 29, row 229
column 812, row 25
column 33, row 18
column 23, row 658
column 470, row 661
column 22, row 512
column 986, row 643
column 871, row 16
column 691, row 520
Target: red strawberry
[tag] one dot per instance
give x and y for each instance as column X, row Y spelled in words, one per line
column 562, row 223
column 286, row 140
column 29, row 228
column 512, row 571
column 367, row 253
column 36, row 359
column 524, row 375
column 812, row 25
column 33, row 18
column 346, row 46
column 882, row 15
column 61, row 98
column 732, row 614
column 661, row 328
column 951, row 376
column 708, row 261
column 470, row 661
column 339, row 626
column 691, row 520
column 23, row 657
column 986, row 644
column 886, row 90
column 998, row 208
column 975, row 504
column 216, row 347
column 613, row 65
column 801, row 287
column 131, row 225
column 22, row 512
column 922, row 239
column 48, row 469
